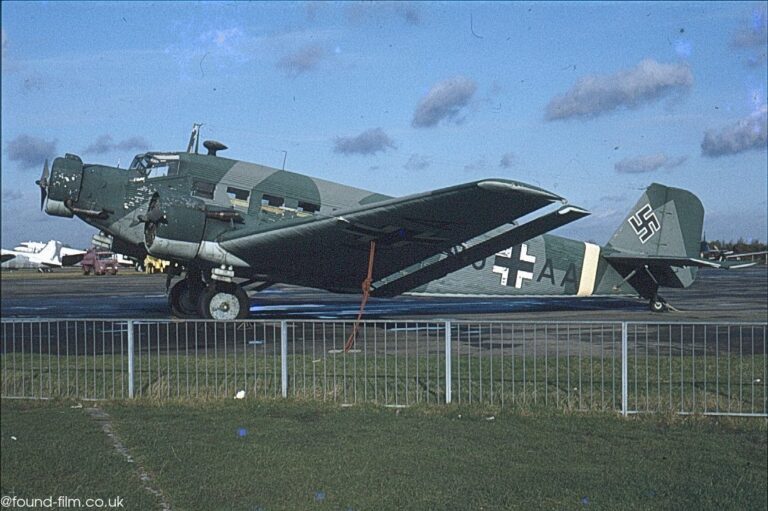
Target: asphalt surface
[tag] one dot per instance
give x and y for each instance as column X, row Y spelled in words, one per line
column 716, row 296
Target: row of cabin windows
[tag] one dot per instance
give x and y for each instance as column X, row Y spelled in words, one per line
column 240, row 197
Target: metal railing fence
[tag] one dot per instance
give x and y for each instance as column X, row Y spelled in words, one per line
column 628, row 367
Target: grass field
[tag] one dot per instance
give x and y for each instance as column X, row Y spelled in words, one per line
column 733, row 383
column 264, row 455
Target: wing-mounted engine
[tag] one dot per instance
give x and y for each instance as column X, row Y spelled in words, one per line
column 181, row 228
column 174, row 226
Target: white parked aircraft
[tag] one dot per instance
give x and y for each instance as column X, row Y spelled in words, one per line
column 40, row 256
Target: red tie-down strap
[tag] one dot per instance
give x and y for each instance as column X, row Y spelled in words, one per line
column 366, row 293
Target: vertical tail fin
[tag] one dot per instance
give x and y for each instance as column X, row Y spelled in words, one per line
column 51, row 253
column 665, row 222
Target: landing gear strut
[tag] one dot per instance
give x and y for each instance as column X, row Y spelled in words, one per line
column 215, row 298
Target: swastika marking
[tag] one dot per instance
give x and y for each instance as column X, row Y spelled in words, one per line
column 644, row 223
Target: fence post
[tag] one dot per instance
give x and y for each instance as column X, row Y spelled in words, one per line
column 284, row 357
column 448, row 362
column 130, row 358
column 624, row 370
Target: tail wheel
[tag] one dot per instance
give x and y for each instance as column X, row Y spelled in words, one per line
column 657, row 304
column 224, row 301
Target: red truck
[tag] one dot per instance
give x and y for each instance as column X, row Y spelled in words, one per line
column 100, row 263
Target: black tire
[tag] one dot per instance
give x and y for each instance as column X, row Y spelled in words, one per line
column 184, row 299
column 224, row 301
column 657, row 305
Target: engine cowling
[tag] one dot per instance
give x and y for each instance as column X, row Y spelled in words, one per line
column 174, row 227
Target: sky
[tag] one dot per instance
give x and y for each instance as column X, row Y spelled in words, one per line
column 593, row 101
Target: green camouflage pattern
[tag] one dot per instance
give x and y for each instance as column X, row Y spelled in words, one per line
column 205, row 212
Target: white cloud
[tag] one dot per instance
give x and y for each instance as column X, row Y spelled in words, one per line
column 754, row 33
column 417, row 162
column 444, row 101
column 303, row 60
column 29, row 151
column 509, row 160
column 648, row 163
column 598, row 94
column 105, row 144
column 368, row 142
column 750, row 133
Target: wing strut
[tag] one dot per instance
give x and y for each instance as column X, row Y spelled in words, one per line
column 366, row 293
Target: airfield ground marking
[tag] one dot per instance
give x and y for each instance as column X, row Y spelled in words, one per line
column 103, row 419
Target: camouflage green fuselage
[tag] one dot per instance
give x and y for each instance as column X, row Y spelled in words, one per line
column 207, row 210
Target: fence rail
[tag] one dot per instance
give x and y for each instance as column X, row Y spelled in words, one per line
column 703, row 368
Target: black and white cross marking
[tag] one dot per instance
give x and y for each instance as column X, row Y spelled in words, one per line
column 644, row 223
column 518, row 261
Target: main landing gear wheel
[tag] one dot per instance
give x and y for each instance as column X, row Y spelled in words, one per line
column 184, row 298
column 657, row 304
column 224, row 301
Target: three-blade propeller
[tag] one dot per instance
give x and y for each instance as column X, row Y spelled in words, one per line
column 43, row 184
column 151, row 219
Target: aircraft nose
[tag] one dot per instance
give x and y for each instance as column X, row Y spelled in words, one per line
column 61, row 185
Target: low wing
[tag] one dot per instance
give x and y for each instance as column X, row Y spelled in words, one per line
column 332, row 252
column 691, row 262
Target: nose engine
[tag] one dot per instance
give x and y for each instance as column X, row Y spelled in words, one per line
column 62, row 187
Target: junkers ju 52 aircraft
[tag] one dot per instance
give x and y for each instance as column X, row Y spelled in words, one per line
column 221, row 221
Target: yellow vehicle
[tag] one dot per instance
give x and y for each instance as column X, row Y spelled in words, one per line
column 155, row 265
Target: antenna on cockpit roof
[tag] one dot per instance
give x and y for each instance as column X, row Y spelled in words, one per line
column 194, row 139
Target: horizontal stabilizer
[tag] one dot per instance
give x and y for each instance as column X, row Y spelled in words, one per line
column 480, row 251
column 692, row 262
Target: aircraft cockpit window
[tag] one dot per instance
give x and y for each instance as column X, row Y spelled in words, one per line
column 152, row 165
column 158, row 171
column 238, row 197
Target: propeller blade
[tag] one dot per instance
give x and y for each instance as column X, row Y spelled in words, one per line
column 154, row 215
column 43, row 183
